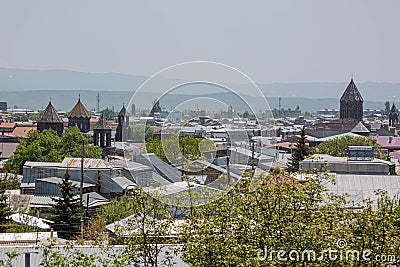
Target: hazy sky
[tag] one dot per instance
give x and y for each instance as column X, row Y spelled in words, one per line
column 271, row 41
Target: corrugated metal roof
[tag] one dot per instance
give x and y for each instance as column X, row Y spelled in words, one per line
column 95, row 199
column 165, row 170
column 33, row 236
column 57, row 180
column 176, row 189
column 362, row 187
column 130, row 165
column 123, row 182
column 41, row 164
column 325, row 158
column 87, row 163
column 41, row 201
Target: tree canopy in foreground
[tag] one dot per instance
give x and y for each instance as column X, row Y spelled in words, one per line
column 268, row 220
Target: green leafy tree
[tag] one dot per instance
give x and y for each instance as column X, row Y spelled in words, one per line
column 71, row 144
column 48, row 146
column 148, row 229
column 337, row 147
column 250, row 224
column 109, row 114
column 245, row 226
column 171, row 148
column 38, row 146
column 299, row 153
column 141, row 132
column 9, row 181
column 117, row 209
column 67, row 209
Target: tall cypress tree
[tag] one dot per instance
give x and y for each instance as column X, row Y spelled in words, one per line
column 299, row 153
column 67, row 209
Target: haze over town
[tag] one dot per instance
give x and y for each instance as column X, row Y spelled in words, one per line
column 199, row 133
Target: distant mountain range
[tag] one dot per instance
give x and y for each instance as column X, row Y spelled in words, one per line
column 33, row 89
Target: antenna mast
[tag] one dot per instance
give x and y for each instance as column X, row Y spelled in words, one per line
column 98, row 102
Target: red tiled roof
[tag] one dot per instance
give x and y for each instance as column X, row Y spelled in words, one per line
column 22, row 131
column 7, row 150
column 395, row 155
column 8, row 125
column 285, row 144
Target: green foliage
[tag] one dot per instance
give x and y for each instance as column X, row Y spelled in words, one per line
column 156, row 108
column 338, row 146
column 116, row 209
column 387, row 108
column 9, row 181
column 247, row 115
column 71, row 144
column 14, row 227
column 299, row 153
column 141, row 132
column 29, row 117
column 10, row 259
column 48, row 146
column 170, row 148
column 67, row 209
column 260, row 215
column 5, row 211
column 148, row 229
column 282, row 214
column 23, row 227
column 109, row 114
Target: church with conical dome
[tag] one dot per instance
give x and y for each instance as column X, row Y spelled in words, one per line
column 351, row 103
column 79, row 116
column 50, row 120
column 393, row 116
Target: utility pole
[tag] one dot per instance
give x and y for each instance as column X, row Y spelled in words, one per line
column 98, row 102
column 279, row 107
column 252, row 153
column 183, row 162
column 227, row 168
column 82, row 159
column 81, row 186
